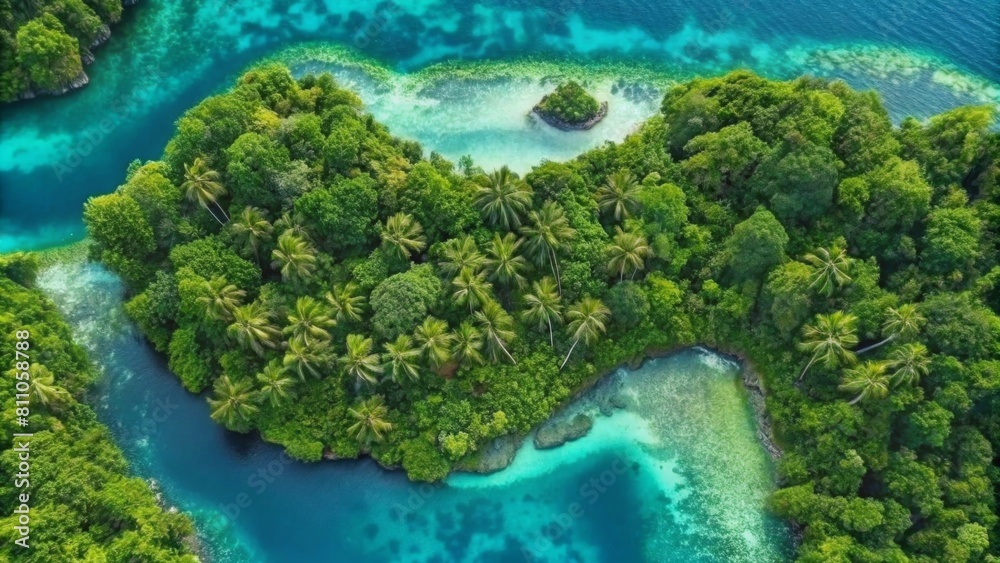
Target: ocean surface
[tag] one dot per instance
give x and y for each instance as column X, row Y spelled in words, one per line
column 460, row 76
column 677, row 475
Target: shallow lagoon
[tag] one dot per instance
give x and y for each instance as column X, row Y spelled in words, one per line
column 677, row 475
column 166, row 55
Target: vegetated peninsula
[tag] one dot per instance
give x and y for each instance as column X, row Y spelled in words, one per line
column 344, row 295
column 570, row 108
column 44, row 44
column 82, row 505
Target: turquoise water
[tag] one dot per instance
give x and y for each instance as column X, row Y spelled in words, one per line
column 54, row 153
column 677, row 475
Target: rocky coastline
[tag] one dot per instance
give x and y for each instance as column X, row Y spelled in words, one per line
column 560, row 429
column 563, row 125
column 86, row 57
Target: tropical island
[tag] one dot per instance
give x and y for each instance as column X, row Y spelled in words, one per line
column 344, row 295
column 44, row 45
column 570, row 108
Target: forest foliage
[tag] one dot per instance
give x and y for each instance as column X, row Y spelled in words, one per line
column 342, row 294
column 83, row 505
column 44, row 43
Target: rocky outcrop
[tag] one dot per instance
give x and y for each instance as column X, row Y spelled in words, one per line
column 79, row 81
column 86, row 57
column 758, row 402
column 497, row 455
column 555, row 433
column 562, row 125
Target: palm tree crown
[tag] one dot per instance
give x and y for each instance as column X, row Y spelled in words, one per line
column 201, row 185
column 276, row 387
column 619, row 195
column 233, row 402
column 370, row 421
column 252, row 327
column 587, row 320
column 902, row 323
column 359, row 361
column 434, row 341
column 400, row 358
column 460, row 254
column 544, row 307
column 497, row 327
column 869, row 380
column 294, row 256
column 471, row 289
column 220, row 298
column 310, row 320
column 347, row 304
column 830, row 268
column 504, row 264
column 250, row 230
column 830, row 339
column 909, row 363
column 548, row 233
column 402, row 236
column 627, row 253
column 503, row 199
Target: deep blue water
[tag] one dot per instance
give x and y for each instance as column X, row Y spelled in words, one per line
column 924, row 56
column 677, row 476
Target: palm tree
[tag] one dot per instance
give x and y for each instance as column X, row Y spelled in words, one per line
column 305, row 357
column 291, row 223
column 42, row 388
column 201, row 185
column 586, row 322
column 310, row 320
column 627, row 252
column 904, row 323
column 220, row 298
column 868, row 380
column 233, row 402
column 250, row 230
column 252, row 327
column 359, row 360
column 830, row 339
column 276, row 387
column 434, row 341
column 829, row 269
column 619, row 195
column 503, row 199
column 400, row 358
column 497, row 327
column 471, row 289
column 295, row 257
column 402, row 235
column 544, row 306
column 468, row 343
column 460, row 254
column 910, row 362
column 547, row 234
column 347, row 304
column 504, row 264
column 370, row 421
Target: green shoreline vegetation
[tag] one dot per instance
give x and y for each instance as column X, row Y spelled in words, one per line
column 83, row 505
column 44, row 45
column 343, row 295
